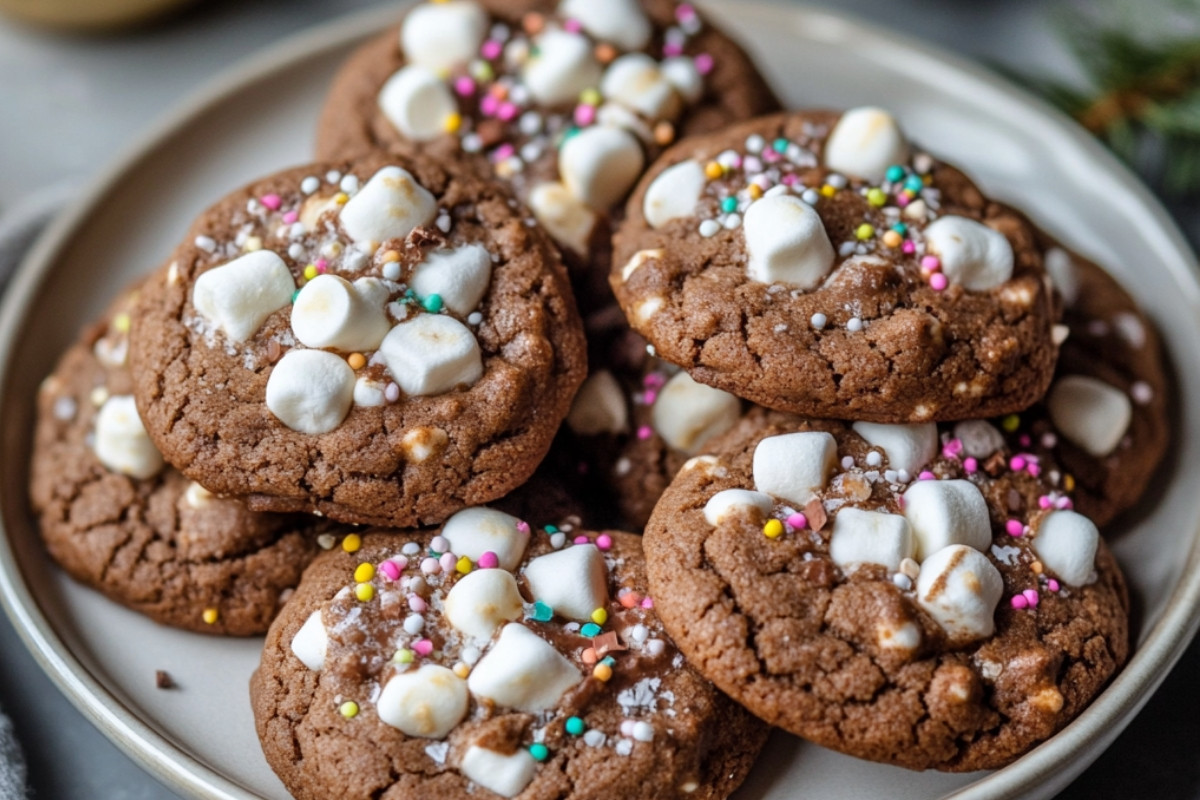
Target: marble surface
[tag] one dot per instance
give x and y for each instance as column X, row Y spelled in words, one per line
column 71, row 104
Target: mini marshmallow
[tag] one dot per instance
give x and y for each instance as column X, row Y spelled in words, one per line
column 864, row 143
column 786, row 242
column 943, row 513
column 636, row 81
column 599, row 406
column 439, row 36
column 907, row 447
column 563, row 68
column 979, row 438
column 870, row 537
column 960, row 588
column 794, row 466
column 417, row 102
column 1089, row 412
column 600, row 165
column 332, row 312
column 239, row 296
column 388, row 207
column 369, row 393
column 310, row 391
column 729, row 501
column 687, row 414
column 622, row 22
column 1063, row 272
column 311, row 642
column 475, row 531
column 507, row 776
column 563, row 215
column 681, row 71
column 431, row 354
column 674, row 193
column 573, row 582
column 972, row 254
column 460, row 277
column 1066, row 543
column 482, row 601
column 427, row 703
column 121, row 442
column 523, row 671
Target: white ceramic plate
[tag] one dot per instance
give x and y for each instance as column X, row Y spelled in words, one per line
column 200, row 739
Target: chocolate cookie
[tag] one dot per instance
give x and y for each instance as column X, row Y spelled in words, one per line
column 814, row 262
column 382, row 341
column 119, row 520
column 1102, row 429
column 566, row 100
column 874, row 591
column 490, row 659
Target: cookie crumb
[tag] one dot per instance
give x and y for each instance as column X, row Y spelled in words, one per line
column 162, row 680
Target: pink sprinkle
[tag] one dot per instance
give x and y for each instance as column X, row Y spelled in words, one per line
column 430, row 566
column 585, row 115
column 581, row 540
column 291, row 217
column 909, row 247
column 971, row 466
column 926, row 475
column 391, row 392
column 1014, row 528
column 645, row 432
column 464, row 86
column 938, row 282
column 1031, row 596
column 572, row 25
column 685, row 12
column 1017, row 463
column 489, row 105
column 952, row 448
column 507, row 111
column 503, row 152
column 649, row 397
column 390, row 570
column 448, row 562
column 655, row 380
column 674, row 49
column 1045, row 502
column 271, row 201
column 1033, row 469
column 704, row 63
column 604, row 541
column 1019, row 601
column 770, row 156
column 423, row 647
column 417, row 603
column 627, row 727
column 523, row 526
column 647, row 603
column 931, row 263
column 902, row 200
column 489, row 560
column 320, row 264
column 798, row 521
column 789, row 180
column 491, row 49
column 1024, row 440
column 1065, row 502
column 1052, row 585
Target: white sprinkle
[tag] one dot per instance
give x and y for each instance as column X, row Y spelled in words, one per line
column 643, row 731
column 333, row 176
column 874, row 459
column 296, row 251
column 391, row 270
column 655, row 647
column 471, row 143
column 709, row 228
column 902, row 581
column 310, row 184
column 414, row 624
column 733, row 222
column 624, row 747
column 438, row 751
column 297, row 231
column 349, row 184
column 531, row 151
column 891, row 476
column 594, row 738
column 810, row 196
column 847, row 462
column 530, row 123
column 65, row 408
column 354, row 261
column 443, row 223
column 410, row 549
column 902, row 476
column 639, row 633
column 557, row 540
column 326, row 541
column 847, row 249
column 755, row 143
column 1141, row 393
column 922, row 163
column 1049, row 440
column 854, row 325
column 474, row 318
column 206, row 243
column 818, row 321
column 836, row 181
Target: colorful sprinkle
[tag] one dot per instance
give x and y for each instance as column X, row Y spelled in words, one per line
column 541, row 612
column 1052, row 585
column 356, row 361
column 1018, row 601
column 1014, row 528
column 864, row 231
column 575, row 726
column 463, row 565
column 773, row 529
column 365, row 592
column 423, row 647
column 876, row 197
column 539, row 751
column 210, row 616
column 797, row 521
column 1010, row 423
column 404, row 656
column 603, row 672
column 271, row 201
column 348, row 709
column 352, row 543
column 489, row 560
column 364, row 572
column 390, row 570
column 590, row 630
column 604, row 542
column 938, row 282
column 600, row 616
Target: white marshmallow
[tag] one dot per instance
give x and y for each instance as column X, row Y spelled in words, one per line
column 311, row 642
column 636, row 81
column 943, row 513
column 310, row 391
column 864, row 143
column 786, row 242
column 682, row 73
column 639, row 260
column 600, row 165
column 439, row 36
column 475, row 531
column 599, row 406
column 979, row 438
column 428, row 702
column 431, row 354
column 907, row 447
column 482, row 601
column 1089, row 412
column 573, row 582
column 388, row 207
column 794, row 466
column 563, row 215
column 622, row 22
column 417, row 102
column 121, row 442
column 1066, row 543
column 960, row 588
column 674, row 193
column 369, row 393
column 972, row 254
column 460, row 276
column 869, row 537
column 615, row 115
column 1063, row 272
column 687, row 414
column 332, row 312
column 563, row 68
column 239, row 296
column 727, row 502
column 523, row 671
column 507, row 776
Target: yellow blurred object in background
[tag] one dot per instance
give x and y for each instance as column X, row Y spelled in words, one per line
column 88, row 14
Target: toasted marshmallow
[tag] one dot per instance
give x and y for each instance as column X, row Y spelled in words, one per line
column 943, row 513
column 786, row 242
column 907, row 447
column 1066, row 542
column 439, row 36
column 121, row 442
column 573, row 581
column 687, row 414
column 460, row 277
column 483, row 600
column 972, row 254
column 600, row 165
column 310, row 391
column 311, row 642
column 427, row 703
column 674, row 193
column 869, row 537
column 960, row 588
column 332, row 312
column 563, row 215
column 1089, row 412
column 599, row 407
column 475, row 531
column 731, row 501
column 417, row 102
column 389, row 206
column 636, row 81
column 431, row 354
column 864, row 143
column 523, row 671
column 238, row 297
column 563, row 68
column 622, row 22
column 681, row 71
column 794, row 466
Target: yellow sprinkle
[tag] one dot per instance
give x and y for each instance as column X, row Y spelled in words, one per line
column 364, row 572
column 599, row 616
column 1010, row 423
column 876, row 197
column 773, row 529
column 390, row 256
column 310, row 272
column 253, row 244
column 755, row 190
column 351, row 543
column 121, row 323
column 462, row 670
column 713, row 170
column 365, row 592
column 463, row 565
column 210, row 616
column 864, row 231
column 1036, row 567
column 452, row 122
column 1069, row 483
column 357, row 361
column 602, row 672
column 828, row 191
column 403, row 656
column 893, row 239
column 341, row 198
column 348, row 709
column 590, row 97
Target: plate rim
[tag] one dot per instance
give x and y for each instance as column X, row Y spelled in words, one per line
column 1075, row 747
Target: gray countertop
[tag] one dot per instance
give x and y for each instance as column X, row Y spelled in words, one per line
column 72, row 103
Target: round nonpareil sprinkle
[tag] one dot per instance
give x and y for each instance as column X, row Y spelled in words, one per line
column 365, row 592
column 352, row 543
column 348, row 709
column 773, row 529
column 364, row 572
column 210, row 616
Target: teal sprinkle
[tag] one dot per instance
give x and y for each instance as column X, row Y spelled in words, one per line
column 609, row 661
column 900, row 228
column 433, row 303
column 729, row 205
column 568, row 134
column 575, row 726
column 550, row 529
column 895, row 173
column 590, row 630
column 541, row 612
column 914, row 183
column 295, row 294
column 780, row 145
column 410, row 294
column 539, row 751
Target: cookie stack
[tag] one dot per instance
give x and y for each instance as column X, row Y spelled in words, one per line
column 829, row 388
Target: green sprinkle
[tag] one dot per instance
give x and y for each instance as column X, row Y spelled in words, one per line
column 876, row 197
column 865, row 231
column 895, row 173
column 575, row 726
column 780, row 145
column 432, row 304
column 541, row 612
column 539, row 751
column 590, row 630
column 550, row 529
column 729, row 205
column 349, row 709
column 1010, row 423
column 403, row 656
